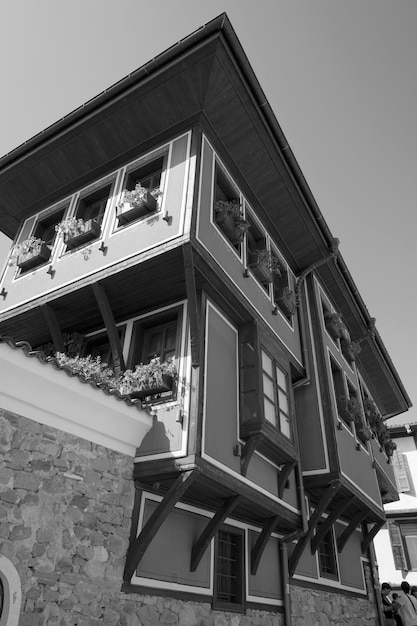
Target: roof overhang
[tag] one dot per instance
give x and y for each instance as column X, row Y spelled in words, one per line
column 206, row 80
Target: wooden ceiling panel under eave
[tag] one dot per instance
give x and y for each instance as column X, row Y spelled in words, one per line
column 259, row 165
column 101, row 142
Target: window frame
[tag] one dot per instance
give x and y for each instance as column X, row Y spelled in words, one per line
column 276, row 388
column 240, row 575
column 150, row 321
column 133, row 168
column 327, row 550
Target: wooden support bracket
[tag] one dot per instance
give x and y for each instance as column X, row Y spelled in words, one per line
column 138, row 547
column 284, row 475
column 261, row 542
column 202, row 543
column 349, row 530
column 325, row 526
column 111, row 328
column 53, row 327
column 326, row 499
column 247, row 451
column 371, row 535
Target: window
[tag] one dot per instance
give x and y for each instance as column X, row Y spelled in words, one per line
column 92, row 206
column 45, row 228
column 148, row 178
column 340, row 392
column 157, row 335
column 228, row 214
column 275, row 395
column 403, row 536
column 256, row 253
column 229, row 570
column 284, row 297
column 99, row 346
column 327, row 556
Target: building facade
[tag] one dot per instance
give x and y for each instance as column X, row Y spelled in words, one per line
column 167, row 223
column 396, row 543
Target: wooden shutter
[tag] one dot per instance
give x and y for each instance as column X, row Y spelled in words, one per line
column 400, row 469
column 397, row 546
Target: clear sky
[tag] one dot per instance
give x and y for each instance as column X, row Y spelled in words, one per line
column 340, row 76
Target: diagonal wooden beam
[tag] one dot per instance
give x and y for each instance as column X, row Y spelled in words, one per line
column 324, row 528
column 261, row 542
column 53, row 327
column 194, row 318
column 247, row 451
column 138, row 547
column 350, row 529
column 326, row 498
column 371, row 535
column 202, row 543
column 284, row 475
column 111, row 328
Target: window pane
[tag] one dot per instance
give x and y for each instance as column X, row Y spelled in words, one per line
column 268, row 388
column 267, row 364
column 269, row 409
column 285, row 425
column 282, row 402
column 228, row 570
column 281, row 378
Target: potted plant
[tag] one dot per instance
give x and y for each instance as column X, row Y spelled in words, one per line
column 136, row 203
column 350, row 349
column 334, row 325
column 229, row 217
column 286, row 300
column 148, row 379
column 264, row 265
column 91, row 369
column 77, row 232
column 29, row 253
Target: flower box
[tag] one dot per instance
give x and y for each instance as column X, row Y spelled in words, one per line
column 90, row 230
column 350, row 349
column 259, row 267
column 334, row 325
column 34, row 257
column 130, row 211
column 229, row 218
column 285, row 299
column 166, row 385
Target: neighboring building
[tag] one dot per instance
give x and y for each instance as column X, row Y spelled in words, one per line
column 396, row 543
column 255, row 483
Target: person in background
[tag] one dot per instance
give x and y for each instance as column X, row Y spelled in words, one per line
column 408, row 606
column 388, row 606
column 397, row 618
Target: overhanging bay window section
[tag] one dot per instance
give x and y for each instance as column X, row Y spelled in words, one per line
column 142, row 189
column 265, row 398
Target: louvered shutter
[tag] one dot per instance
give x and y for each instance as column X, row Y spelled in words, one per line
column 397, row 546
column 400, row 468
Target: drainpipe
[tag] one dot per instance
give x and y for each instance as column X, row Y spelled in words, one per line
column 332, row 256
column 285, row 578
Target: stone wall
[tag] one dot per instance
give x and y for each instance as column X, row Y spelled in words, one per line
column 310, row 607
column 65, row 515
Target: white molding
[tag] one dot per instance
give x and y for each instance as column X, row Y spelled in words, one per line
column 12, row 593
column 49, row 396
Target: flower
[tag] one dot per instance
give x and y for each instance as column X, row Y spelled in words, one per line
column 31, row 244
column 139, row 194
column 71, row 227
column 146, row 375
column 92, row 369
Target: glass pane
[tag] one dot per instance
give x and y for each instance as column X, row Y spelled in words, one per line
column 171, row 338
column 155, row 343
column 267, row 364
column 282, row 401
column 281, row 378
column 285, row 426
column 268, row 388
column 269, row 410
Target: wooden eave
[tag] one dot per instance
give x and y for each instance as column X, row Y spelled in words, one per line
column 205, row 79
column 315, row 486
